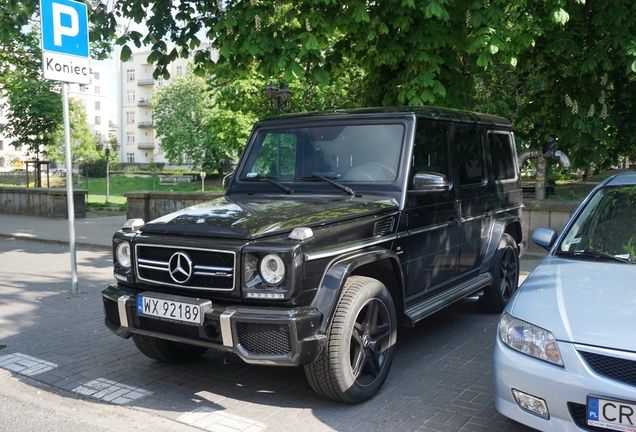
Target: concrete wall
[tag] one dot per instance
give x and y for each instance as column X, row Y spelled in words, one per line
column 43, row 202
column 548, row 214
column 151, row 205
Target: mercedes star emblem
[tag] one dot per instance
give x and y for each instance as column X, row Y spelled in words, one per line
column 180, row 267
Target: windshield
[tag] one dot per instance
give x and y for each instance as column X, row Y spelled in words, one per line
column 607, row 225
column 346, row 153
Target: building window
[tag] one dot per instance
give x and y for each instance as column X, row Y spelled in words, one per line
column 96, row 75
column 130, row 116
column 130, row 95
column 82, row 88
column 1, row 145
column 160, row 81
column 97, row 90
column 130, row 137
column 1, row 162
column 130, row 74
column 98, row 105
column 179, row 70
column 130, row 157
column 98, row 120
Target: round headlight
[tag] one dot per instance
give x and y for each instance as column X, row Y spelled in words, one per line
column 272, row 269
column 123, row 254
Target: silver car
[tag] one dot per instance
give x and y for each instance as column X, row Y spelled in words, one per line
column 565, row 350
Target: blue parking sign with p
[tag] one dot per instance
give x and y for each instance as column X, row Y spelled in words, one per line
column 64, row 27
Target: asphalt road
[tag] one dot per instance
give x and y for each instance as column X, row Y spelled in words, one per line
column 61, row 369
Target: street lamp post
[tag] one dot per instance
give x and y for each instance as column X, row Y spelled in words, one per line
column 283, row 96
column 202, row 173
column 99, row 146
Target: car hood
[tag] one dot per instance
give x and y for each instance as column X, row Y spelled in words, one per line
column 581, row 301
column 250, row 216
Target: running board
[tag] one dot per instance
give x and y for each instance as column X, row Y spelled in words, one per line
column 439, row 301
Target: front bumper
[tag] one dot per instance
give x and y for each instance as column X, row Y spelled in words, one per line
column 259, row 335
column 564, row 389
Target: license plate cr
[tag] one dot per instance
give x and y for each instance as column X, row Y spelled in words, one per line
column 611, row 414
column 170, row 309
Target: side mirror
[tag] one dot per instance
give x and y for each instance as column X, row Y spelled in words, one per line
column 227, row 180
column 430, row 182
column 544, row 237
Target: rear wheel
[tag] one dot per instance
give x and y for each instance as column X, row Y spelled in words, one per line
column 360, row 344
column 167, row 351
column 505, row 276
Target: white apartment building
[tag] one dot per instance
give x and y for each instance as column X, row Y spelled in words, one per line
column 94, row 97
column 137, row 136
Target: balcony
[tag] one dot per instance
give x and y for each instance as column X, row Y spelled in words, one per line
column 146, row 82
column 146, row 146
column 145, row 124
column 143, row 103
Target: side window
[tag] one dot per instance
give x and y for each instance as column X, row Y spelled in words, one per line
column 429, row 152
column 470, row 157
column 502, row 156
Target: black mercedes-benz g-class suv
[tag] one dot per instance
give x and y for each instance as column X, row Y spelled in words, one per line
column 334, row 229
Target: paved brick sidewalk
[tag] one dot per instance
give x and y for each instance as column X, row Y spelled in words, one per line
column 440, row 380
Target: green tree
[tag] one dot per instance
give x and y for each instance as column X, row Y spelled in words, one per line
column 441, row 52
column 188, row 125
column 33, row 107
column 82, row 140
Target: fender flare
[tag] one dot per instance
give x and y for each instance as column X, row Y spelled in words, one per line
column 336, row 274
column 499, row 227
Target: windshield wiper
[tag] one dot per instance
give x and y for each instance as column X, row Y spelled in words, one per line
column 328, row 180
column 592, row 253
column 274, row 182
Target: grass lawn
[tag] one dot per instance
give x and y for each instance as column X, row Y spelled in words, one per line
column 122, row 184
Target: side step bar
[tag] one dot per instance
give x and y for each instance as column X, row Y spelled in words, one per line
column 439, row 301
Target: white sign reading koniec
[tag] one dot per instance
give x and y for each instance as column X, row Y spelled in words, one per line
column 65, row 41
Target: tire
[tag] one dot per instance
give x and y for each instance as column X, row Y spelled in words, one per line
column 167, row 351
column 505, row 276
column 357, row 356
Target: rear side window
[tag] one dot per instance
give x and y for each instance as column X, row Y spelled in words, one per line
column 502, row 156
column 429, row 154
column 470, row 157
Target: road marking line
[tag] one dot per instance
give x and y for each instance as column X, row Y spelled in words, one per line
column 111, row 391
column 25, row 365
column 215, row 420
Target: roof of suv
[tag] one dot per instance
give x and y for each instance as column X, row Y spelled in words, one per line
column 429, row 112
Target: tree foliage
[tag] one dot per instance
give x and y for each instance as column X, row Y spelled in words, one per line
column 33, row 107
column 190, row 129
column 563, row 67
column 82, row 140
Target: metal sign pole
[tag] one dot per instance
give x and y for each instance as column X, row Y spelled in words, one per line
column 64, row 31
column 70, row 201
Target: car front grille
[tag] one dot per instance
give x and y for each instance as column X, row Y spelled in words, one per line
column 578, row 413
column 195, row 268
column 258, row 338
column 616, row 368
column 111, row 311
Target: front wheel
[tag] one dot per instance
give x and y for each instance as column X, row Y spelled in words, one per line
column 360, row 345
column 167, row 351
column 505, row 276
